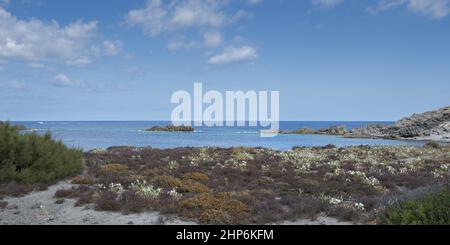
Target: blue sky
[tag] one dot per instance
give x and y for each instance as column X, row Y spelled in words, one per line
column 122, row 60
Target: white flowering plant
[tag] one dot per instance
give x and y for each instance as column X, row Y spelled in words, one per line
column 145, row 190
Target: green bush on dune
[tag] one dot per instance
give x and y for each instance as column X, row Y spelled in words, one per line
column 32, row 158
column 430, row 209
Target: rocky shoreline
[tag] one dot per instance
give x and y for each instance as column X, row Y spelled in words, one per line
column 428, row 126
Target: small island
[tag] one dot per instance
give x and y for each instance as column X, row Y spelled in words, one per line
column 170, row 128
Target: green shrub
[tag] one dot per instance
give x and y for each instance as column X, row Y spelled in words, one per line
column 430, row 209
column 32, row 158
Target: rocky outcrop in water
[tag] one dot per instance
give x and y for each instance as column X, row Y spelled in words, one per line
column 171, row 128
column 301, row 131
column 335, row 130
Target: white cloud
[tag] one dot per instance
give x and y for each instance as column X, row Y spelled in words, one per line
column 12, row 84
column 234, row 54
column 62, row 80
column 212, row 39
column 112, row 47
column 34, row 40
column 435, row 9
column 80, row 61
column 180, row 42
column 384, row 5
column 36, row 65
column 157, row 17
column 188, row 23
column 327, row 3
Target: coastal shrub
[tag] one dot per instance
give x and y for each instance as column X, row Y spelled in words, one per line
column 107, row 201
column 85, row 198
column 73, row 192
column 15, row 189
column 430, row 209
column 166, row 204
column 145, row 190
column 82, row 180
column 304, row 206
column 221, row 208
column 33, row 158
column 433, row 145
column 196, row 176
column 63, row 193
column 193, row 187
column 59, row 201
column 167, row 181
column 114, row 168
column 3, row 204
column 131, row 202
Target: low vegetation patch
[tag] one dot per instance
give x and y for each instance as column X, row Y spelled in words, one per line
column 427, row 209
column 3, row 204
column 82, row 180
column 15, row 189
column 259, row 186
column 33, row 158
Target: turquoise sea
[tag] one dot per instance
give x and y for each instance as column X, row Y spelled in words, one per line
column 90, row 135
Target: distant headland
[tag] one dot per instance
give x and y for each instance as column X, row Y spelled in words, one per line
column 432, row 125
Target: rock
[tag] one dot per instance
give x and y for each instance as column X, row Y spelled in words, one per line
column 425, row 126
column 97, row 151
column 335, row 130
column 300, row 131
column 306, row 131
column 433, row 125
column 368, row 131
column 171, row 128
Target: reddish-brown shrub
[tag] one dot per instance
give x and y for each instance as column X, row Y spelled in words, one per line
column 107, row 201
column 3, row 204
column 131, row 202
